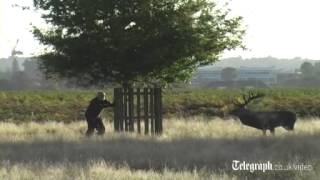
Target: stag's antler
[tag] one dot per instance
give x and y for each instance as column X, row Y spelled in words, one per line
column 236, row 102
column 248, row 98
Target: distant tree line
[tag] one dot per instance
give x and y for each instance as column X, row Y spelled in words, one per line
column 31, row 78
column 310, row 71
column 307, row 75
column 28, row 78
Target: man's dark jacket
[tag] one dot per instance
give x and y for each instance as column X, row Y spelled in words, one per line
column 96, row 106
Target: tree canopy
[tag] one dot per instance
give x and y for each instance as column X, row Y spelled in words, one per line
column 100, row 41
column 307, row 70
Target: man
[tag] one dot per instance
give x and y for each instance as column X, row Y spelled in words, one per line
column 93, row 113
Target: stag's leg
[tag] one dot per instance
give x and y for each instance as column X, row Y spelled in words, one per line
column 272, row 131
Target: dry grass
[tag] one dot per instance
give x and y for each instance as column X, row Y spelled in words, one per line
column 194, row 148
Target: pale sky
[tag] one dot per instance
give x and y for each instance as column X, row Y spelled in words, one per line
column 278, row 28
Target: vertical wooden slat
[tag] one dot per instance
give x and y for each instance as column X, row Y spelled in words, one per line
column 152, row 110
column 156, row 109
column 121, row 109
column 138, row 111
column 124, row 111
column 131, row 110
column 116, row 119
column 160, row 111
column 125, row 108
column 146, row 112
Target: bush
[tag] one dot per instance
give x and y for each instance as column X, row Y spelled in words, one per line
column 69, row 106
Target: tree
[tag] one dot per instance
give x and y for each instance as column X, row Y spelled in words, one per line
column 228, row 74
column 124, row 41
column 317, row 69
column 307, row 70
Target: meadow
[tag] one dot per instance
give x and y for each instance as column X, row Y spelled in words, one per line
column 190, row 148
column 69, row 106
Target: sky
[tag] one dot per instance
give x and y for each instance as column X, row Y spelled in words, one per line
column 278, row 28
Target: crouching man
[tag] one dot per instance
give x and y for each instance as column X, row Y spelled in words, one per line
column 93, row 117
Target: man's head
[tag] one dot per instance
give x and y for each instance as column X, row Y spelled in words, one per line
column 101, row 95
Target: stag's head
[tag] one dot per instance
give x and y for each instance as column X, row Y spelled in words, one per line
column 240, row 103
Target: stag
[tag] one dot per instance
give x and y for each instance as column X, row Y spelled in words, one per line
column 266, row 120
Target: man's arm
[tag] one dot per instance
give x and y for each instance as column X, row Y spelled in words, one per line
column 106, row 103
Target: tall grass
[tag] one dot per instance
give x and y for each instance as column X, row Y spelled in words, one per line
column 195, row 148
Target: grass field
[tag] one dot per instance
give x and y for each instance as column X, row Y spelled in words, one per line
column 68, row 106
column 194, row 148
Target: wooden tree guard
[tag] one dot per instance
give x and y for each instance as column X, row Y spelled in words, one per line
column 134, row 106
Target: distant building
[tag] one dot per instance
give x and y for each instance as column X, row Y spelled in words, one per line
column 266, row 75
column 205, row 76
column 209, row 75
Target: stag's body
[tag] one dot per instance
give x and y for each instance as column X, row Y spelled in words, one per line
column 267, row 120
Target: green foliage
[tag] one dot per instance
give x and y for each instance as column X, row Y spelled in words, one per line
column 70, row 106
column 42, row 106
column 307, row 70
column 137, row 40
column 310, row 71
